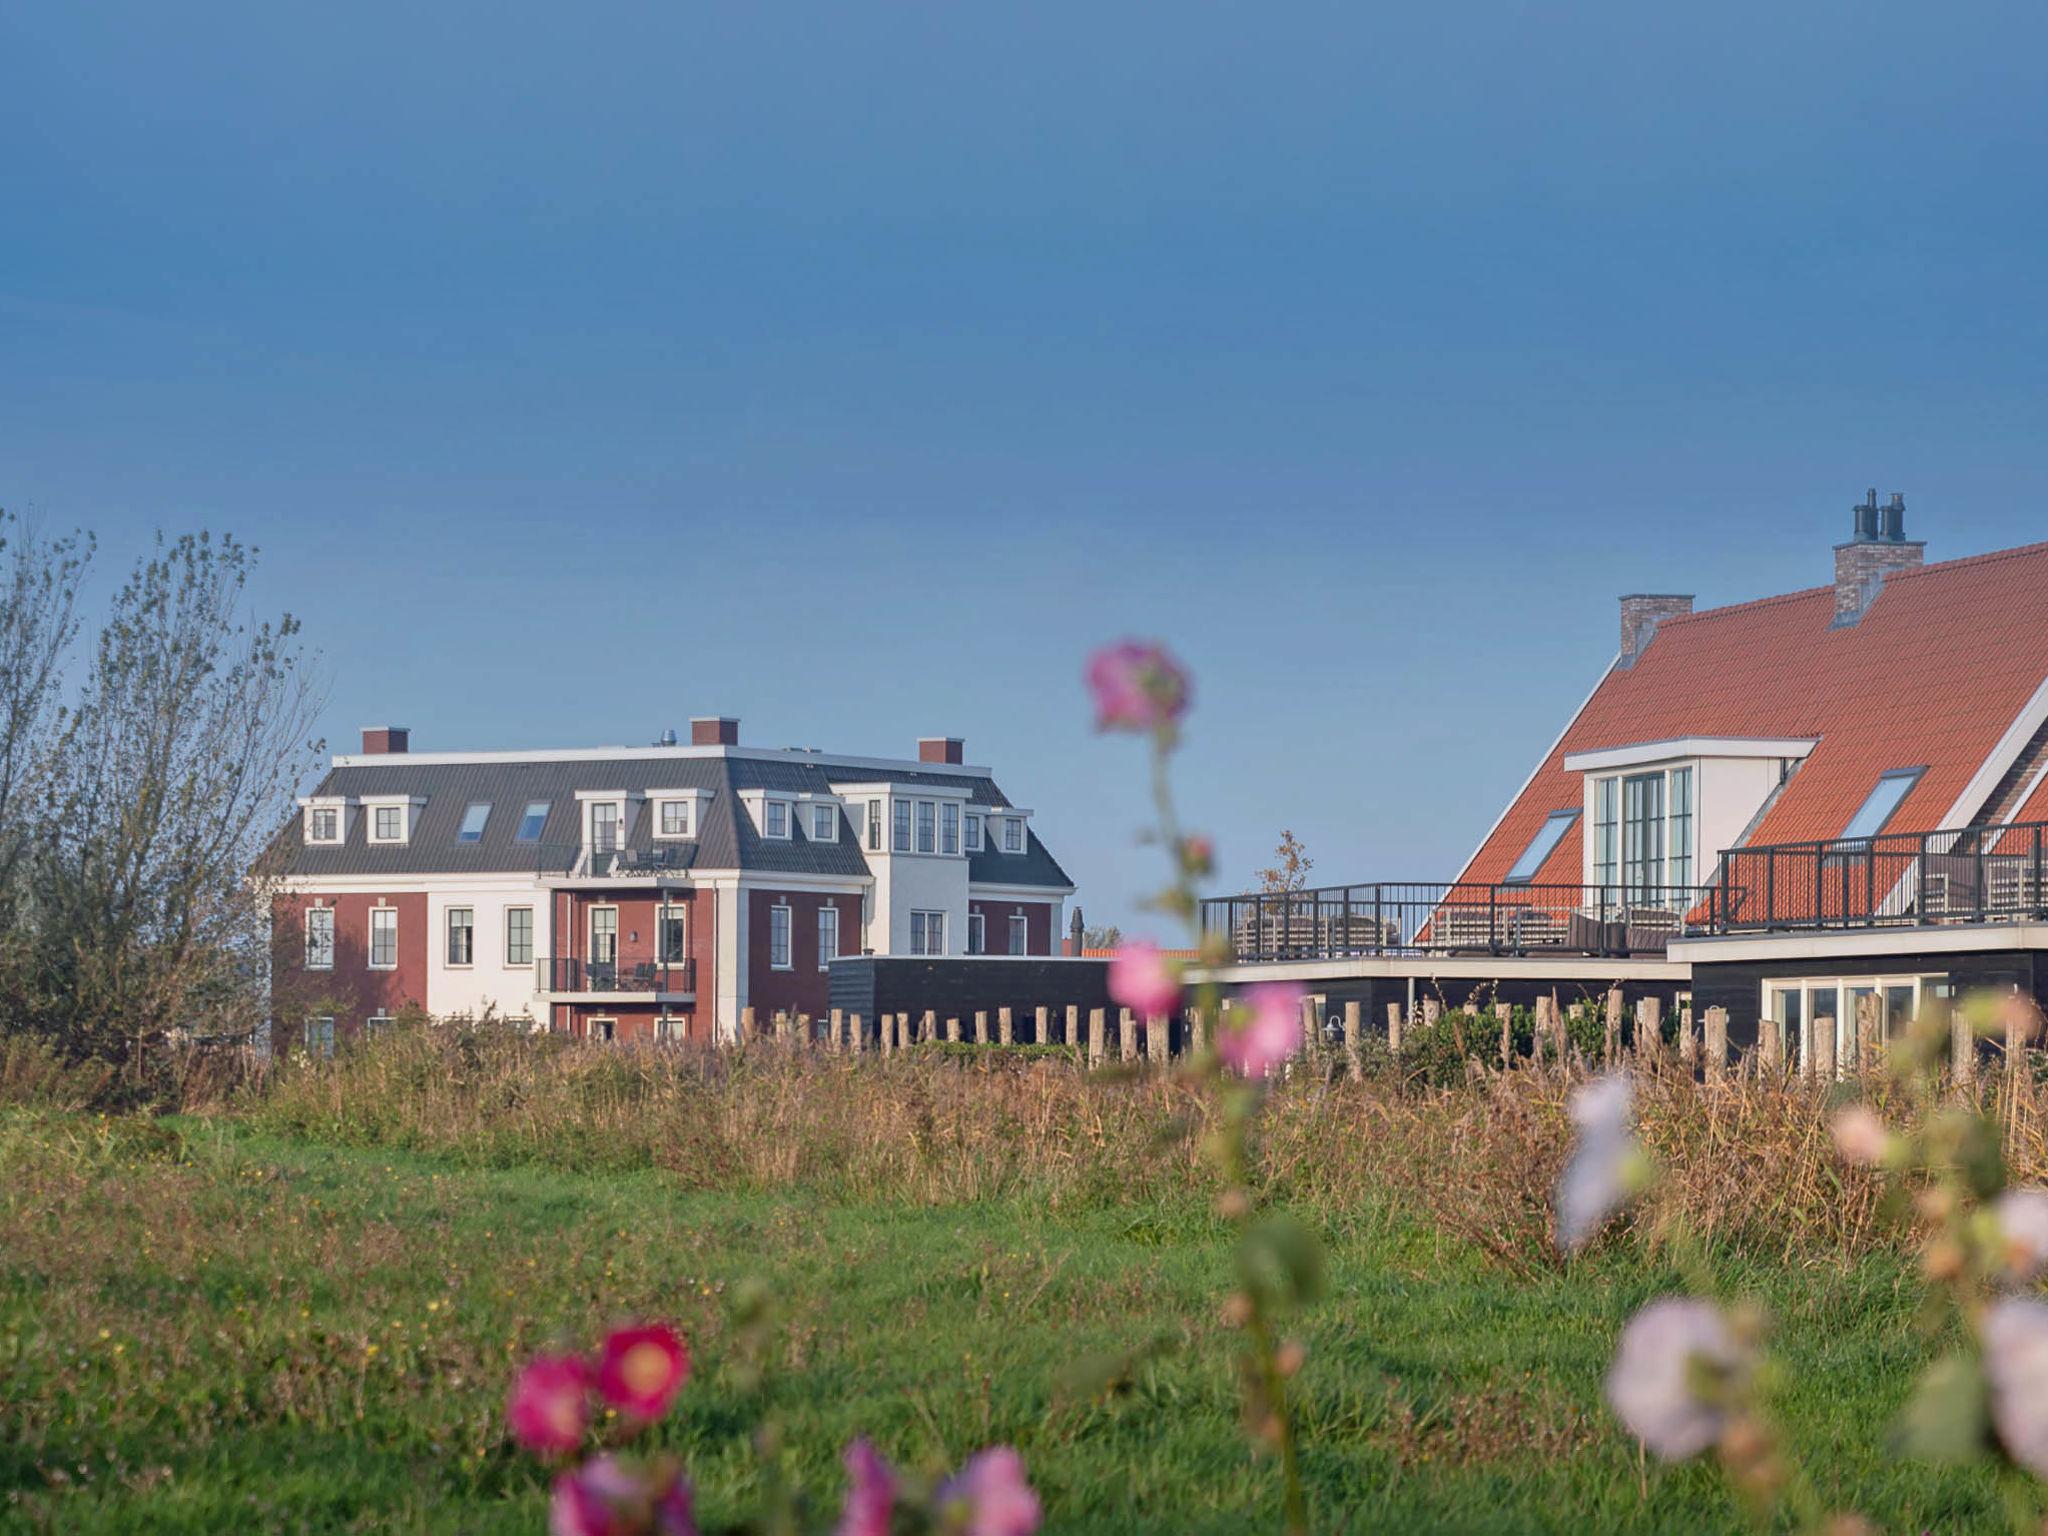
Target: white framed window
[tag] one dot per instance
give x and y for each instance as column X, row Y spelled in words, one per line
column 1013, row 834
column 1542, row 845
column 604, row 937
column 674, row 818
column 1643, row 831
column 778, row 937
column 474, row 815
column 383, row 938
column 519, row 936
column 604, row 826
column 319, row 938
column 775, row 818
column 672, row 935
column 376, row 1021
column 974, row 836
column 461, row 935
column 320, row 1035
column 977, row 934
column 949, row 827
column 532, row 822
column 874, row 826
column 927, row 826
column 828, row 936
column 1798, row 1002
column 1020, row 934
column 899, row 811
column 387, row 824
column 323, row 824
column 825, row 823
column 927, row 933
column 606, row 1030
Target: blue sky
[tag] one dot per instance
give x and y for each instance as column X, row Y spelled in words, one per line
column 855, row 369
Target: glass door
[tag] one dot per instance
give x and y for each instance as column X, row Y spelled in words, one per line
column 1642, row 836
column 604, row 945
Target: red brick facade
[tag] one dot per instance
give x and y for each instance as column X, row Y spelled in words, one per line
column 996, row 915
column 352, row 991
column 803, row 987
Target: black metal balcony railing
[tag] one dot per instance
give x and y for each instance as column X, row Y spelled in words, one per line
column 650, row 976
column 1421, row 918
column 573, row 859
column 1899, row 879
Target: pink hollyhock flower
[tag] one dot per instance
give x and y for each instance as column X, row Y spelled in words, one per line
column 990, row 1497
column 1860, row 1136
column 605, row 1497
column 1138, row 686
column 1272, row 1035
column 549, row 1408
column 1143, row 980
column 2016, row 1363
column 1198, row 854
column 2022, row 1216
column 640, row 1370
column 870, row 1493
column 1605, row 1161
column 1669, row 1351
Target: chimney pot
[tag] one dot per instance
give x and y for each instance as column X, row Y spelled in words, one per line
column 941, row 749
column 1879, row 547
column 379, row 740
column 1641, row 613
column 714, row 731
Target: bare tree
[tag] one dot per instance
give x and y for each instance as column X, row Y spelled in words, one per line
column 174, row 774
column 1111, row 937
column 39, row 579
column 1290, row 869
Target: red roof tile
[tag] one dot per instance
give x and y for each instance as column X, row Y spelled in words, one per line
column 1942, row 662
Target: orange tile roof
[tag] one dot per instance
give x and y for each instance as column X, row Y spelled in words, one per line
column 1941, row 664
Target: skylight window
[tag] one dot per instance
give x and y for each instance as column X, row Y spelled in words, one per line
column 473, row 819
column 1876, row 812
column 1541, row 846
column 531, row 821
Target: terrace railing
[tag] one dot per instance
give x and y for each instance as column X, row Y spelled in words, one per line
column 1897, row 879
column 1421, row 918
column 585, row 976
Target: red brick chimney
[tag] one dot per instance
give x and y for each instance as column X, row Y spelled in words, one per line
column 1880, row 546
column 1641, row 613
column 941, row 749
column 382, row 739
column 714, row 731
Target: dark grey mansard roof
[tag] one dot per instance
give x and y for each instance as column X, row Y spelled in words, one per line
column 725, row 838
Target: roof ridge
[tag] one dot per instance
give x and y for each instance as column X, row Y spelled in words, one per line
column 1745, row 606
column 1987, row 558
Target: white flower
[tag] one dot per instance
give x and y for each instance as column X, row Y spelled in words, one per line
column 1668, row 1352
column 1597, row 1179
column 2016, row 1363
column 1860, row 1136
column 2023, row 1223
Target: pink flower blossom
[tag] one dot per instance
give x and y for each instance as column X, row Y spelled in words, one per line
column 989, row 1497
column 2016, row 1363
column 2022, row 1216
column 1143, row 980
column 1604, row 1161
column 549, row 1407
column 1860, row 1136
column 1138, row 686
column 1198, row 854
column 1272, row 1035
column 640, row 1370
column 605, row 1497
column 870, row 1492
column 1669, row 1351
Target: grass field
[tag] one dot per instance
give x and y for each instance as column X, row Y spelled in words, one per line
column 206, row 1325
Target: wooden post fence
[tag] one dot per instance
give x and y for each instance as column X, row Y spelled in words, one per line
column 1098, row 1044
column 1394, row 1028
column 1006, row 1027
column 1127, row 1035
column 1043, row 1025
column 1354, row 1060
column 1505, row 1013
column 1962, row 1047
column 1073, row 1025
column 1156, row 1040
column 1717, row 1044
column 981, row 1026
column 1824, row 1047
column 952, row 1029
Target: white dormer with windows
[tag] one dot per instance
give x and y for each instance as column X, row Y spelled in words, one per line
column 678, row 813
column 772, row 811
column 818, row 816
column 1658, row 815
column 606, row 817
column 391, row 819
column 326, row 822
column 914, row 837
column 1008, row 829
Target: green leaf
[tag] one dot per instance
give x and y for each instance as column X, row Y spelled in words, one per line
column 1947, row 1417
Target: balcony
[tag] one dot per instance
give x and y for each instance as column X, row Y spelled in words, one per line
column 1892, row 880
column 652, row 979
column 576, row 862
column 1342, row 922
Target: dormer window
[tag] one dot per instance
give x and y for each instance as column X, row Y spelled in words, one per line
column 1013, row 834
column 974, row 837
column 391, row 817
column 675, row 818
column 1542, row 845
column 825, row 823
column 323, row 824
column 949, row 827
column 775, row 818
column 604, row 826
column 677, row 812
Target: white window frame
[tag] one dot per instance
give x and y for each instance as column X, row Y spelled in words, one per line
column 977, row 933
column 824, row 827
column 662, row 917
column 527, row 963
column 877, row 825
column 590, row 935
column 769, row 807
column 603, row 1027
column 448, row 929
column 828, row 924
column 314, row 813
column 328, row 963
column 691, row 801
column 526, row 813
column 949, row 828
column 972, row 837
column 927, row 820
column 390, row 914
column 376, row 1021
column 591, row 815
column 377, row 815
column 781, row 937
column 462, row 832
column 1607, row 863
column 1013, row 826
column 680, row 828
column 1536, row 853
column 926, row 922
column 1836, row 989
column 1019, row 934
column 901, row 833
column 320, row 1026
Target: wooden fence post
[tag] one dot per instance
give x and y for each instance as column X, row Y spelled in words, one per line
column 1688, row 1041
column 928, row 1027
column 1869, row 1032
column 1354, row 1019
column 981, row 1026
column 1006, row 1027
column 1098, row 1046
column 1127, row 1035
column 1505, row 1012
column 838, row 1022
column 1773, row 1044
column 1312, row 1035
column 1614, row 1010
column 1156, row 1039
column 1539, row 1031
column 1432, row 1010
column 1198, row 1031
column 952, row 1029
column 1824, row 1047
column 748, row 1028
column 1717, row 1044
column 1043, row 1025
column 856, row 1034
column 1394, row 1028
column 1962, row 1047
column 888, row 1025
column 1073, row 1025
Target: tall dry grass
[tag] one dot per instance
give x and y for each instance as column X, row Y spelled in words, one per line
column 1747, row 1162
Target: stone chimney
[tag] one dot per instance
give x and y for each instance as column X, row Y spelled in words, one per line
column 714, row 731
column 1879, row 547
column 382, row 739
column 1641, row 613
column 941, row 749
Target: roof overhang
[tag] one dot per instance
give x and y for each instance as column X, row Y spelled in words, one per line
column 1673, row 748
